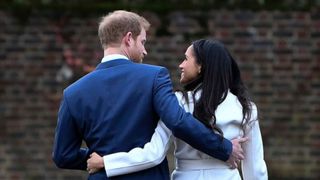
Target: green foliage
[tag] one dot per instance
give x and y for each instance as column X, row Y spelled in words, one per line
column 159, row 6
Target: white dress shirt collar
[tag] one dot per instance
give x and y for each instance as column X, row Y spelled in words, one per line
column 113, row 57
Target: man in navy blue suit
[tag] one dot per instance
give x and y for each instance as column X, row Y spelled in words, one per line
column 117, row 106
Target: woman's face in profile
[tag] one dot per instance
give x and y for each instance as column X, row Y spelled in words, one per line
column 189, row 67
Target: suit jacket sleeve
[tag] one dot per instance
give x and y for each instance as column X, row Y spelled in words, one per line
column 254, row 166
column 152, row 154
column 183, row 125
column 67, row 151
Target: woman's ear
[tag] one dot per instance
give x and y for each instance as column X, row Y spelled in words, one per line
column 199, row 69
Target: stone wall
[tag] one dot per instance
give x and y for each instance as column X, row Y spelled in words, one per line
column 278, row 53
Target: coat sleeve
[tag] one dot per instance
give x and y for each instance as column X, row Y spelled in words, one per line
column 152, row 154
column 67, row 152
column 254, row 166
column 183, row 125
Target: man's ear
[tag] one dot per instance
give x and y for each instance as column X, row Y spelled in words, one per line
column 128, row 39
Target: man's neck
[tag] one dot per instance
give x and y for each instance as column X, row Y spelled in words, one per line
column 115, row 50
column 110, row 51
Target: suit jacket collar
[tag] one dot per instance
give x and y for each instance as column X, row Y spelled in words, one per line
column 112, row 63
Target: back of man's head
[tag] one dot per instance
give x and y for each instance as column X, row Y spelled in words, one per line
column 114, row 26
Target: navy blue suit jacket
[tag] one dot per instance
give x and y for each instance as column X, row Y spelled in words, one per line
column 116, row 108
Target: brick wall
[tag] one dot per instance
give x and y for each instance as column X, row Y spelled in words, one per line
column 278, row 52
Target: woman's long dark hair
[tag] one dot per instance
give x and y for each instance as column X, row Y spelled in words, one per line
column 219, row 73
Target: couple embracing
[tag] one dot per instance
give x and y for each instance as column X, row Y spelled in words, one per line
column 127, row 113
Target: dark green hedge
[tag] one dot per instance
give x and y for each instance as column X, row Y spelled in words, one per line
column 93, row 6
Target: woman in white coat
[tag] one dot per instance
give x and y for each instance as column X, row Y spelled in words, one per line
column 215, row 94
